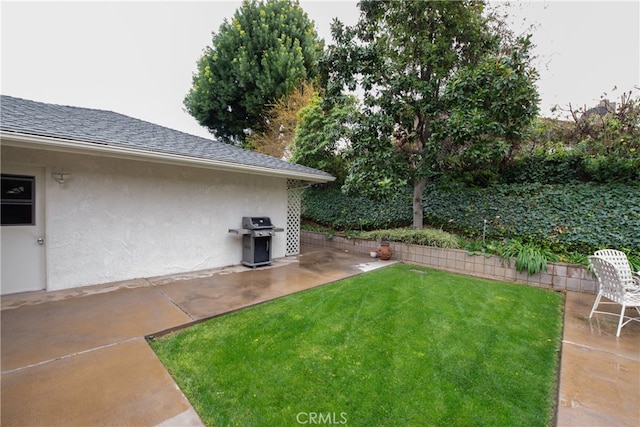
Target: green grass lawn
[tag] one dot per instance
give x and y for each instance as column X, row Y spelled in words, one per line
column 399, row 346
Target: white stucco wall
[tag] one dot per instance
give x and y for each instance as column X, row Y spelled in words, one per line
column 119, row 219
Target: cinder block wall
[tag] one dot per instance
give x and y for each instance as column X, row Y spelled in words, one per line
column 560, row 276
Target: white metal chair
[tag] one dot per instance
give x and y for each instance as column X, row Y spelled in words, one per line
column 620, row 260
column 614, row 286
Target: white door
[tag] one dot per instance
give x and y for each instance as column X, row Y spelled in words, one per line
column 22, row 232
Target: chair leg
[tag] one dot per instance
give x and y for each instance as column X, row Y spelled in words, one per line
column 621, row 320
column 595, row 304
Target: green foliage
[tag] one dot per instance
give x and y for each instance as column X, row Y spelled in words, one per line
column 335, row 209
column 565, row 218
column 528, row 256
column 374, row 169
column 546, row 168
column 266, row 50
column 634, row 261
column 478, row 247
column 437, row 82
column 556, row 163
column 425, row 236
column 399, row 346
column 319, row 134
column 600, row 145
column 610, row 168
column 489, row 107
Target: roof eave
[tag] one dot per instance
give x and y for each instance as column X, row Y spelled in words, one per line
column 25, row 140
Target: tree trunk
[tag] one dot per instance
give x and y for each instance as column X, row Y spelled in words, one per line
column 418, row 188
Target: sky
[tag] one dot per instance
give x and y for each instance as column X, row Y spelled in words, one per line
column 138, row 58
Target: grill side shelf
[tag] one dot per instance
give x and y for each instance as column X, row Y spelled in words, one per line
column 239, row 231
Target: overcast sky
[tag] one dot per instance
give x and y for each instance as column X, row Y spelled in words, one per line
column 137, row 58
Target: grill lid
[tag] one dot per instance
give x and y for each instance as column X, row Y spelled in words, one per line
column 256, row 222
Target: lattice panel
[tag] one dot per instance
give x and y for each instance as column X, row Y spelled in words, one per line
column 294, row 203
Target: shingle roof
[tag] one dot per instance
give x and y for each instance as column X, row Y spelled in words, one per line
column 114, row 129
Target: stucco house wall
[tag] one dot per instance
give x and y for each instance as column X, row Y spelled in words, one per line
column 140, row 200
column 117, row 219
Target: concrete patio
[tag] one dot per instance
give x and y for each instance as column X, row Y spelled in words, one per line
column 80, row 357
column 599, row 372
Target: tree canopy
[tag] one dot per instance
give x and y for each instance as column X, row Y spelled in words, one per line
column 437, row 80
column 257, row 58
column 282, row 120
column 322, row 133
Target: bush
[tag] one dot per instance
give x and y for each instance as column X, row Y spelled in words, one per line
column 425, row 237
column 557, row 165
column 564, row 218
column 335, row 209
column 528, row 256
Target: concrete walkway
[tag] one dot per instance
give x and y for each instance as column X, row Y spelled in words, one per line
column 79, row 357
column 599, row 373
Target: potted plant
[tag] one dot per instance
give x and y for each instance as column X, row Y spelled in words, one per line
column 385, row 249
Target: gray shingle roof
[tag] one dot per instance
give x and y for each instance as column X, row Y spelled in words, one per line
column 114, row 129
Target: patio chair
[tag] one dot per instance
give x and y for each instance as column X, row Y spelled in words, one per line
column 619, row 259
column 614, row 286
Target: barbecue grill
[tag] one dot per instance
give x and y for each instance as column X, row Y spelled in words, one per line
column 257, row 233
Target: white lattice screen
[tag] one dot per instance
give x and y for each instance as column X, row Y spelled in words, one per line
column 294, row 203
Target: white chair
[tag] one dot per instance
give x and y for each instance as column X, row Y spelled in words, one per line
column 620, row 260
column 614, row 286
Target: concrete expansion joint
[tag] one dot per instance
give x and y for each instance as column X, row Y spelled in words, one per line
column 166, row 297
column 68, row 356
column 588, row 347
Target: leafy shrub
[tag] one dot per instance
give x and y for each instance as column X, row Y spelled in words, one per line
column 333, row 208
column 562, row 166
column 634, row 261
column 545, row 169
column 565, row 218
column 612, row 169
column 530, row 257
column 425, row 237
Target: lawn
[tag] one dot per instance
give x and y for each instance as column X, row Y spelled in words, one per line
column 399, row 346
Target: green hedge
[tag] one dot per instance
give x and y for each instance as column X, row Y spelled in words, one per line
column 559, row 169
column 563, row 217
column 332, row 208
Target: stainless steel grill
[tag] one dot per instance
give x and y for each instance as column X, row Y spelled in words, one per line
column 257, row 233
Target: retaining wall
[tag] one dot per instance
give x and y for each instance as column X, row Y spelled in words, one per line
column 559, row 276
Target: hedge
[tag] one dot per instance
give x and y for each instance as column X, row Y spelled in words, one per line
column 563, row 217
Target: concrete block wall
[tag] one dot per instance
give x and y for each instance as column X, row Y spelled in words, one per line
column 560, row 276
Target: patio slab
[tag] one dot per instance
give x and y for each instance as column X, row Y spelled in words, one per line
column 79, row 357
column 234, row 288
column 600, row 373
column 35, row 333
column 122, row 384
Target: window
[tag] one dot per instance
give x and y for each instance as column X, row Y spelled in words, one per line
column 18, row 200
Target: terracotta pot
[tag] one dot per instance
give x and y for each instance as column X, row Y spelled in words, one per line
column 385, row 252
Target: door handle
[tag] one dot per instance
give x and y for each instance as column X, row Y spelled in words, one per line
column 40, row 240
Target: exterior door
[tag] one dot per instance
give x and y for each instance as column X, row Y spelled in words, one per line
column 22, row 232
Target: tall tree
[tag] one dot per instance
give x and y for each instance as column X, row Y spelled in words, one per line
column 263, row 54
column 410, row 58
